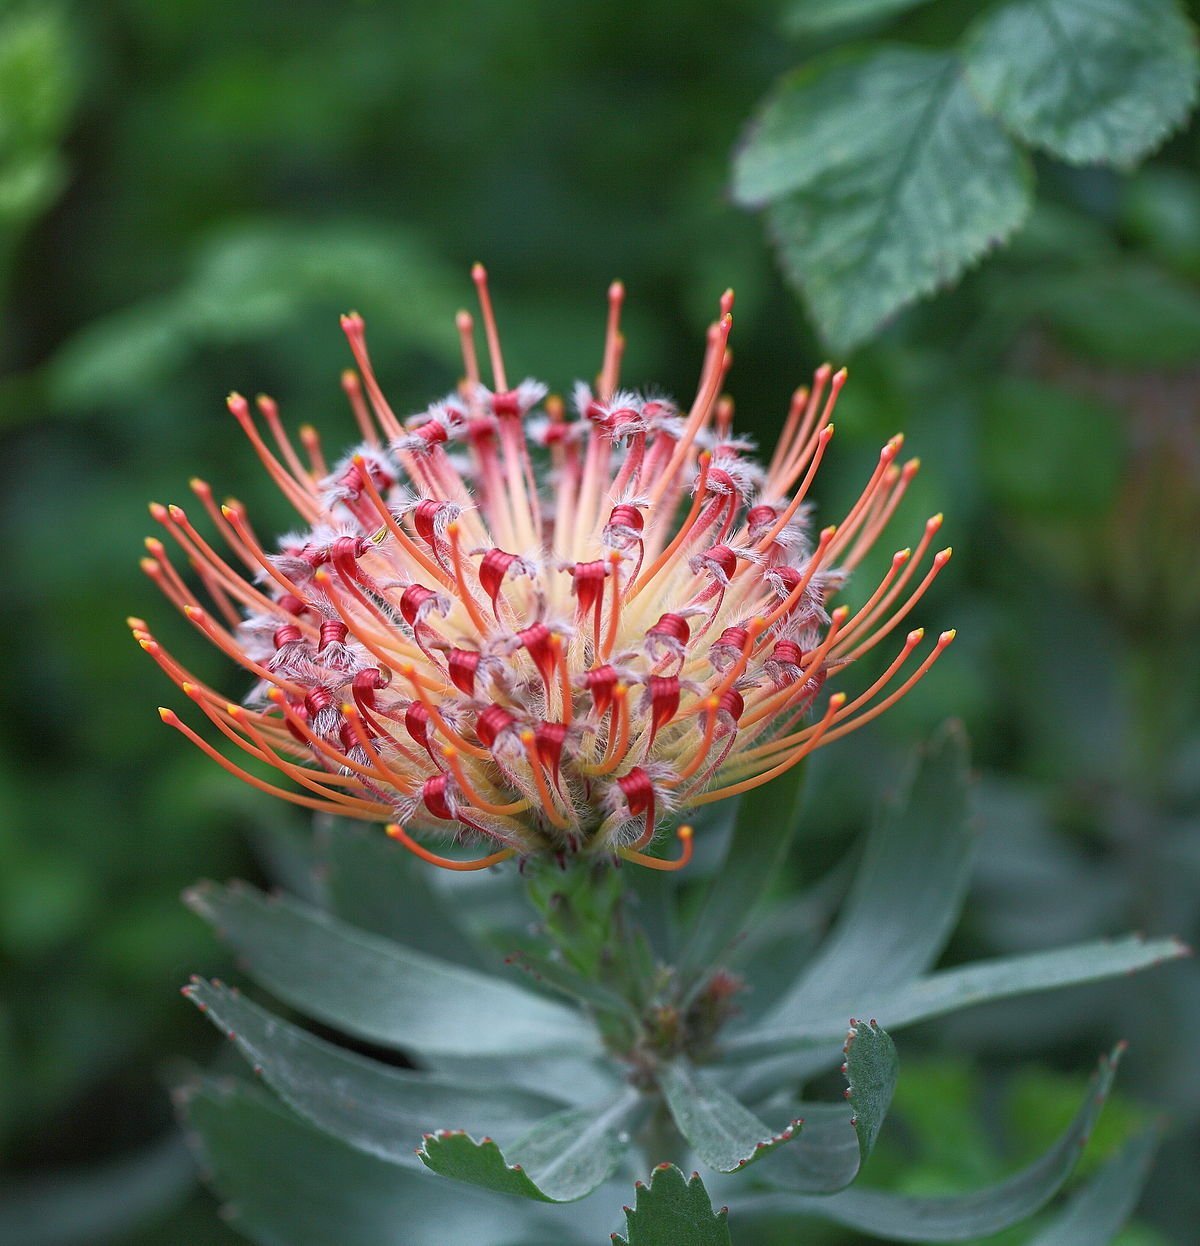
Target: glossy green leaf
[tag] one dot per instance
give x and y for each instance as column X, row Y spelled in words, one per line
column 907, row 893
column 806, row 16
column 953, row 989
column 1089, row 80
column 1098, row 1212
column 561, row 1159
column 907, row 1218
column 886, row 180
column 287, row 1184
column 382, row 1110
column 673, row 1211
column 377, row 990
column 767, row 818
column 724, row 1134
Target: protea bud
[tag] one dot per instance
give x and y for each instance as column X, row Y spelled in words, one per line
column 557, row 631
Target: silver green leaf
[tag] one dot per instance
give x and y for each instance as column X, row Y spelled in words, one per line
column 885, row 180
column 837, row 1140
column 673, row 1211
column 724, row 1133
column 287, row 1184
column 561, row 1159
column 907, row 1218
column 375, row 989
column 766, row 822
column 374, row 1107
column 954, row 989
column 907, row 893
column 1089, row 80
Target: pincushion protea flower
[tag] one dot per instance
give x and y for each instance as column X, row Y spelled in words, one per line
column 538, row 632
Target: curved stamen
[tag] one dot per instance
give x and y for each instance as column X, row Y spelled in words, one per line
column 398, row 833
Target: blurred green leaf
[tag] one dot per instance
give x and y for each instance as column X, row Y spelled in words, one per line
column 378, row 990
column 805, row 16
column 673, row 1210
column 725, row 1134
column 560, row 1160
column 37, row 94
column 373, row 1107
column 907, row 1218
column 248, row 280
column 1097, row 1213
column 1123, row 314
column 96, row 1204
column 1049, row 453
column 1161, row 209
column 1089, row 80
column 885, row 180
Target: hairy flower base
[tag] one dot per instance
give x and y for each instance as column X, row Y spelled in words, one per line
column 543, row 633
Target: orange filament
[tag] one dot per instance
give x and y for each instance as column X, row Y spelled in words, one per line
column 549, row 808
column 612, row 342
column 773, row 702
column 864, row 612
column 709, row 385
column 295, row 493
column 465, row 325
column 818, row 557
column 237, row 521
column 479, row 277
column 684, row 835
column 399, row 834
column 366, row 811
column 710, row 707
column 269, row 410
column 203, row 490
column 310, row 439
column 567, row 708
column 795, row 407
column 704, row 462
column 848, row 526
column 618, row 734
column 401, row 537
column 823, row 439
column 471, row 793
column 614, row 610
column 940, row 560
column 227, row 646
column 464, row 592
column 352, row 387
column 943, row 642
column 472, row 750
column 881, row 517
column 735, row 789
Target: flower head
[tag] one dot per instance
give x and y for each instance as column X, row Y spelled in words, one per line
column 539, row 631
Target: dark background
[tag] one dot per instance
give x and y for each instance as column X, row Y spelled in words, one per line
column 191, row 192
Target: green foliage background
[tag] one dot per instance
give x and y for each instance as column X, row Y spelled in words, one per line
column 189, row 195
